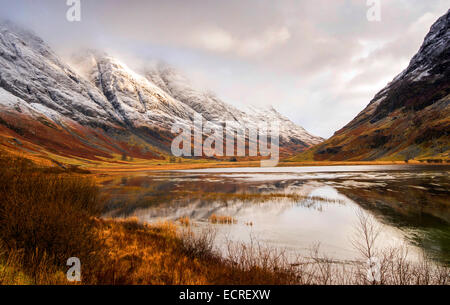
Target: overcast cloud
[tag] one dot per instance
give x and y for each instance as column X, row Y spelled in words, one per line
column 318, row 62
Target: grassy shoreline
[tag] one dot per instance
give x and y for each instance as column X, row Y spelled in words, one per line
column 131, row 168
column 48, row 215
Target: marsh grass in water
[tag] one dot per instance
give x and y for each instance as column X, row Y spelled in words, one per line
column 155, row 198
column 217, row 219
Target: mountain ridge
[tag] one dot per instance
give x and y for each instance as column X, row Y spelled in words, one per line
column 100, row 107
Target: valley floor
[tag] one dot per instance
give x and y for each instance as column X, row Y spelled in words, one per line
column 139, row 167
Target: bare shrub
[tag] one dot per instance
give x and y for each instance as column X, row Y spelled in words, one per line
column 395, row 266
column 198, row 244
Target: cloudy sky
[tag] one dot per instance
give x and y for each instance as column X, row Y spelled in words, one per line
column 319, row 62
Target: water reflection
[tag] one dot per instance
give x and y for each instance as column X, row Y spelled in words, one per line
column 295, row 208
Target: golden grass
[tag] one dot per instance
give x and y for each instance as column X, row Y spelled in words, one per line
column 116, row 166
column 141, row 254
column 204, row 164
column 47, row 217
column 185, row 221
column 216, row 219
column 249, row 197
column 161, row 254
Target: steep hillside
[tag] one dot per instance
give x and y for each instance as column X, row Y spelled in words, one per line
column 409, row 118
column 214, row 109
column 45, row 107
column 99, row 109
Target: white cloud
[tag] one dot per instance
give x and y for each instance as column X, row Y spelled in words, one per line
column 213, row 39
column 266, row 41
column 219, row 40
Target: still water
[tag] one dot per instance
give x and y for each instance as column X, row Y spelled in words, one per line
column 296, row 208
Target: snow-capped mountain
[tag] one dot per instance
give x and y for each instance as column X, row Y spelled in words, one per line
column 410, row 117
column 30, row 70
column 290, row 131
column 97, row 106
column 214, row 109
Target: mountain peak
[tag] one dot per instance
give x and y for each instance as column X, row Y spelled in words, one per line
column 434, row 49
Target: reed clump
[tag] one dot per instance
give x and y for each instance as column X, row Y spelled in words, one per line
column 217, row 219
column 184, row 221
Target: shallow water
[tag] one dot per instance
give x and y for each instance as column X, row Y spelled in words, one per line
column 295, row 208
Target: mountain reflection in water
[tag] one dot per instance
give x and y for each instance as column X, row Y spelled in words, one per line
column 297, row 207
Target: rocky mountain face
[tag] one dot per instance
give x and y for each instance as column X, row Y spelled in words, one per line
column 409, row 118
column 99, row 107
column 215, row 110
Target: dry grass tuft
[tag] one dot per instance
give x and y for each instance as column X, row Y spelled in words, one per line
column 216, row 219
column 185, row 221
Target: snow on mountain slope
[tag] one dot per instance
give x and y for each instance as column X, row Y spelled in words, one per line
column 288, row 130
column 164, row 96
column 105, row 105
column 214, row 109
column 138, row 101
column 30, row 70
column 70, row 113
column 211, row 108
column 9, row 101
